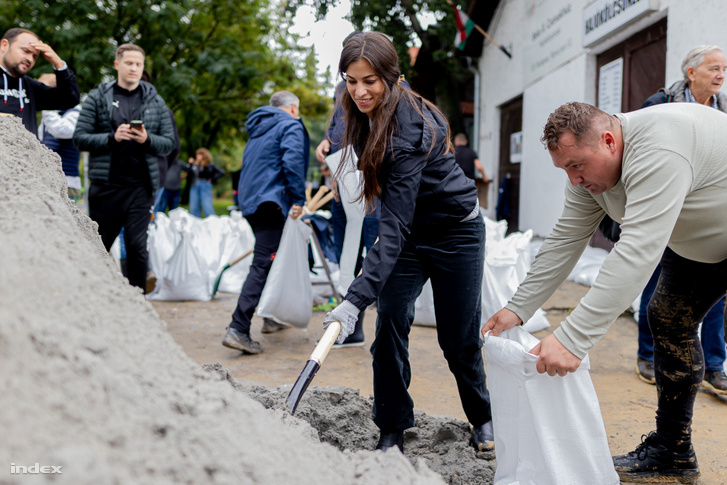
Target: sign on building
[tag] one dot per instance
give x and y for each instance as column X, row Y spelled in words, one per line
column 606, row 17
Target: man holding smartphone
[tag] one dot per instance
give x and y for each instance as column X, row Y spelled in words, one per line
column 125, row 126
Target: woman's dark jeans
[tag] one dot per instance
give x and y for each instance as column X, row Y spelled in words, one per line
column 685, row 293
column 453, row 258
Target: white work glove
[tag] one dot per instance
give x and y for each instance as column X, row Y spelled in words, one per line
column 347, row 314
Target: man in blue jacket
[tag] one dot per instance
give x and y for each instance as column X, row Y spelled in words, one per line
column 272, row 184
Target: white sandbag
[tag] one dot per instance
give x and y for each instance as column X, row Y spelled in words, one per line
column 507, row 262
column 287, row 296
column 537, row 322
column 548, row 430
column 424, row 307
column 588, row 265
column 495, row 231
column 115, row 252
column 348, row 183
column 208, row 239
column 163, row 239
column 238, row 238
column 185, row 275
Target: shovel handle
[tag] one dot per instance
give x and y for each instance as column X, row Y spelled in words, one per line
column 311, row 366
column 247, row 253
column 326, row 342
column 314, row 200
column 320, row 202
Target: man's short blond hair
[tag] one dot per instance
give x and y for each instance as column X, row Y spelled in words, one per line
column 128, row 48
column 580, row 119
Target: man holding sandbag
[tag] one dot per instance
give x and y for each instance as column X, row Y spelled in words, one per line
column 661, row 173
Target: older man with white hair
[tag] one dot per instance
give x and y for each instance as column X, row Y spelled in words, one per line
column 704, row 72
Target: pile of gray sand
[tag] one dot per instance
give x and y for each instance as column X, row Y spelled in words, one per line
column 93, row 383
column 342, row 418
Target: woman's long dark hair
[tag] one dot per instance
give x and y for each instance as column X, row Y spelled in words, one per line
column 372, row 139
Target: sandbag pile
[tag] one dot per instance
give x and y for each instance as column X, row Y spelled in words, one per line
column 507, row 261
column 188, row 253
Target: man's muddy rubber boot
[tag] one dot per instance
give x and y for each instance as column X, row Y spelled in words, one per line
column 234, row 339
column 389, row 440
column 653, row 462
column 483, row 437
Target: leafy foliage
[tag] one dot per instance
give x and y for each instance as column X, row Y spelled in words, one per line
column 213, row 61
column 437, row 74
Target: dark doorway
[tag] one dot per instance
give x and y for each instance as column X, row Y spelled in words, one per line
column 508, row 199
column 644, row 56
column 644, row 65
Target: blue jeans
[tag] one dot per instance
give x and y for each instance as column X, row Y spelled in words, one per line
column 166, row 198
column 452, row 257
column 200, row 199
column 712, row 334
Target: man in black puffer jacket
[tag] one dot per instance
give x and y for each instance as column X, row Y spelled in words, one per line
column 123, row 163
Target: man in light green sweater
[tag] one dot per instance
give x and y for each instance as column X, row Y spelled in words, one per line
column 662, row 173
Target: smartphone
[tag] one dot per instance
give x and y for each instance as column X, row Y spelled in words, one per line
column 136, row 124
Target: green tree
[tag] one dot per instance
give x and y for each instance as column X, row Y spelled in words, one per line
column 213, row 61
column 438, row 75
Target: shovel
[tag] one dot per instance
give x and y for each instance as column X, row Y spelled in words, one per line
column 315, row 361
column 228, row 266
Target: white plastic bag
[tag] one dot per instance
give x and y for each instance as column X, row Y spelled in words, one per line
column 186, row 275
column 287, row 297
column 238, row 239
column 424, row 307
column 548, row 430
column 507, row 261
column 348, row 183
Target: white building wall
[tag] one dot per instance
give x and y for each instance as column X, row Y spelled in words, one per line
column 501, row 80
column 542, row 186
column 689, row 23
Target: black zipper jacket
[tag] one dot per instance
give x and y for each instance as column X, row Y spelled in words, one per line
column 422, row 190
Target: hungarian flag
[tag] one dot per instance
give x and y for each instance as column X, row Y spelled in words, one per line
column 464, row 27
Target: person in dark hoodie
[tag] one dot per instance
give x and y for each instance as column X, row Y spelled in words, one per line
column 430, row 228
column 125, row 125
column 272, row 184
column 23, row 96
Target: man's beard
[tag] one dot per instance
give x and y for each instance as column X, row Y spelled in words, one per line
column 14, row 69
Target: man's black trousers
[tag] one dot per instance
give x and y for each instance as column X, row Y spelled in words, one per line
column 267, row 224
column 684, row 294
column 114, row 207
